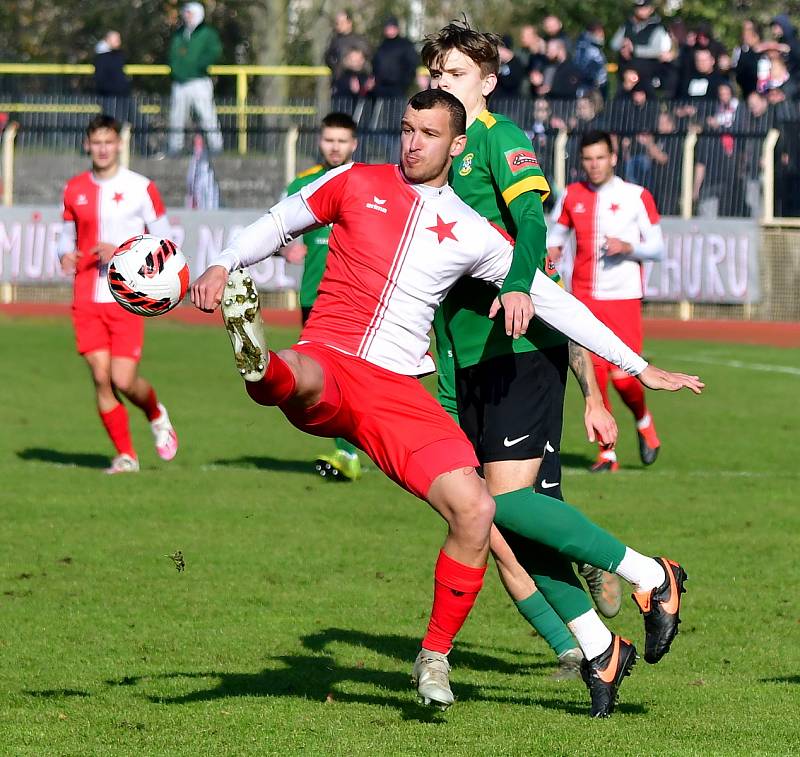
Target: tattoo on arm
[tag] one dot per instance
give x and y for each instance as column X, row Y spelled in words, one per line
column 580, row 367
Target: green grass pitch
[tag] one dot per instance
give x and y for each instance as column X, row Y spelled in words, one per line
column 293, row 628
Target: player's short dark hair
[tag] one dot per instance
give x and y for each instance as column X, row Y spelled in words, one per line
column 479, row 47
column 595, row 137
column 438, row 98
column 339, row 121
column 103, row 122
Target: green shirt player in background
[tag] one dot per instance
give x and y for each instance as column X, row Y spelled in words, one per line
column 510, row 393
column 337, row 143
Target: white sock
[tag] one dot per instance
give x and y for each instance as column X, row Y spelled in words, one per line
column 644, row 573
column 642, row 424
column 591, row 633
column 608, row 454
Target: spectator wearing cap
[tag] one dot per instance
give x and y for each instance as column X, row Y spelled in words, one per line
column 590, row 58
column 394, row 65
column 642, row 41
column 342, row 41
column 511, row 72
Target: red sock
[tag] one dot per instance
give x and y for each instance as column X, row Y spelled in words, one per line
column 455, row 589
column 632, row 395
column 277, row 385
column 150, row 405
column 116, row 423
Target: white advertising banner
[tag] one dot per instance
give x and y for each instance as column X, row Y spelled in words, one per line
column 705, row 260
column 29, row 234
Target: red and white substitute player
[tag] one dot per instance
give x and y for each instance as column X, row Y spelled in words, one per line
column 616, row 227
column 102, row 208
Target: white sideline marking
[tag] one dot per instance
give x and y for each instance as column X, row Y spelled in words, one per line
column 764, row 367
column 689, row 474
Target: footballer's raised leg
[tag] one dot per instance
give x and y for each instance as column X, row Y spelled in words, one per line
column 241, row 311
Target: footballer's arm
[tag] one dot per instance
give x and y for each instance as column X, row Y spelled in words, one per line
column 286, row 220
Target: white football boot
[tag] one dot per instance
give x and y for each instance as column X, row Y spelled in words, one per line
column 431, row 675
column 241, row 311
column 123, row 464
column 164, row 435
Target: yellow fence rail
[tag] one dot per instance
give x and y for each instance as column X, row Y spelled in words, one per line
column 241, row 73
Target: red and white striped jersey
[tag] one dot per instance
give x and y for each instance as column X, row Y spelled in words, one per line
column 110, row 210
column 396, row 248
column 616, row 209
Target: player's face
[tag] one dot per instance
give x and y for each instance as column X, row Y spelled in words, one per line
column 461, row 76
column 598, row 162
column 103, row 146
column 337, row 146
column 427, row 145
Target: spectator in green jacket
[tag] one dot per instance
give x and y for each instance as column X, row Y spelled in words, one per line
column 193, row 48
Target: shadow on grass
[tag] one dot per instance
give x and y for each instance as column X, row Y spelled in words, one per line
column 570, row 460
column 268, row 463
column 79, row 459
column 405, row 649
column 782, row 679
column 320, row 678
column 55, row 693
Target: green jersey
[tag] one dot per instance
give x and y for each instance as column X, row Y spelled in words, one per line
column 499, row 176
column 316, row 243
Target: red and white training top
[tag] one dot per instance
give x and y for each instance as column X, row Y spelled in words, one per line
column 616, row 209
column 109, row 210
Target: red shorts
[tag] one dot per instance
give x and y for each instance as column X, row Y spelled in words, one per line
column 624, row 318
column 391, row 417
column 107, row 326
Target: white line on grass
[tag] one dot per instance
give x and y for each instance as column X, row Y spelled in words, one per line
column 764, row 367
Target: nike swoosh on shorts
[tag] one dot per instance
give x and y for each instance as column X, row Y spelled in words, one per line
column 511, row 442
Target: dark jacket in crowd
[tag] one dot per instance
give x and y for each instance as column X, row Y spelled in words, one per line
column 509, row 78
column 565, row 80
column 109, row 77
column 745, row 65
column 591, row 60
column 789, row 38
column 339, row 46
column 394, row 67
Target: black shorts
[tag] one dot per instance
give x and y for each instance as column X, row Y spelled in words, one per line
column 511, row 408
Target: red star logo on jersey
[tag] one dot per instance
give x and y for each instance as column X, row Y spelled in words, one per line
column 443, row 230
column 117, row 197
column 614, row 207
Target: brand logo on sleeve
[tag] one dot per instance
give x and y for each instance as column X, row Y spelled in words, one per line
column 466, row 164
column 579, row 208
column 521, row 158
column 82, row 200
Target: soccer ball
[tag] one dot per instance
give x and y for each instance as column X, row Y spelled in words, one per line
column 148, row 275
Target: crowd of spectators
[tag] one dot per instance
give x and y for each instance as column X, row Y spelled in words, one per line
column 670, row 79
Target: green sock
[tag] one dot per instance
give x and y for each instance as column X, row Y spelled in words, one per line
column 548, row 625
column 560, row 526
column 344, row 445
column 554, row 577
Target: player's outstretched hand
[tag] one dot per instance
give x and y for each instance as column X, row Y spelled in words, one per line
column 600, row 424
column 206, row 292
column 69, row 262
column 519, row 311
column 657, row 378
